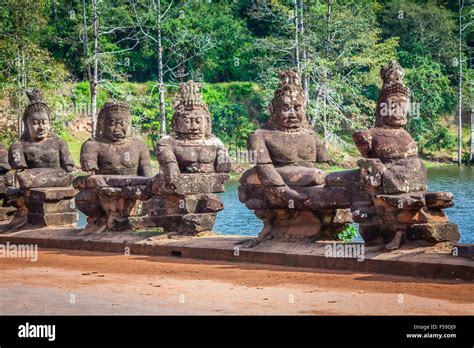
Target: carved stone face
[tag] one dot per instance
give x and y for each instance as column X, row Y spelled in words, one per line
column 394, row 76
column 116, row 127
column 38, row 126
column 192, row 125
column 288, row 113
column 393, row 112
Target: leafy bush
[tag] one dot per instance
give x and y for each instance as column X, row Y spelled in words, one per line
column 348, row 234
column 442, row 139
column 235, row 110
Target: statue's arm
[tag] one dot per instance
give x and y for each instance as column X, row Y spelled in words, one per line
column 89, row 156
column 322, row 155
column 222, row 163
column 67, row 163
column 265, row 169
column 16, row 156
column 167, row 159
column 363, row 141
column 144, row 164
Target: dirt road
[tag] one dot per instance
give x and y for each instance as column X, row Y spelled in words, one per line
column 77, row 282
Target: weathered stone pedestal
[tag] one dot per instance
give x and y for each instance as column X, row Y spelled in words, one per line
column 108, row 200
column 303, row 225
column 410, row 215
column 51, row 207
column 295, row 220
column 392, row 219
column 188, row 205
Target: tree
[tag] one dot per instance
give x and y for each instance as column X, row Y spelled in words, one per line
column 462, row 25
column 112, row 36
column 150, row 18
column 424, row 29
column 344, row 53
column 431, row 93
column 23, row 62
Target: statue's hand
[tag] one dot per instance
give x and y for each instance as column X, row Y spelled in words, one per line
column 290, row 194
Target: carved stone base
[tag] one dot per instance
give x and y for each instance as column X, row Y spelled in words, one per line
column 109, row 201
column 302, row 225
column 190, row 183
column 52, row 207
column 188, row 205
column 188, row 224
column 430, row 233
column 184, row 214
column 407, row 217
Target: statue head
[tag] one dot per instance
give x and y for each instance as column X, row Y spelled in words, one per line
column 394, row 99
column 191, row 119
column 288, row 109
column 114, row 121
column 36, row 118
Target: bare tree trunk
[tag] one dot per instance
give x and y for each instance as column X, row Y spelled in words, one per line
column 86, row 40
column 94, row 81
column 304, row 76
column 88, row 61
column 326, row 73
column 297, row 48
column 161, row 90
column 22, row 86
column 328, row 32
column 461, row 3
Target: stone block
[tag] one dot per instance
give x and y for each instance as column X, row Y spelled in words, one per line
column 62, row 206
column 171, row 204
column 404, row 175
column 188, row 184
column 49, row 194
column 53, row 219
column 98, row 181
column 195, row 223
column 290, row 224
column 439, row 199
column 348, row 179
column 403, row 201
column 209, row 203
column 44, row 177
column 434, row 232
column 169, row 223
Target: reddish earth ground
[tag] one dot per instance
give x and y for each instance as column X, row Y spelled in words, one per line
column 77, row 282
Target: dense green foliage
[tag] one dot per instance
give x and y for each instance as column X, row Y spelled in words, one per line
column 348, row 234
column 42, row 44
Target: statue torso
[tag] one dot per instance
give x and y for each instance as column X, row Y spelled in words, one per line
column 388, row 144
column 196, row 156
column 298, row 148
column 118, row 159
column 44, row 154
